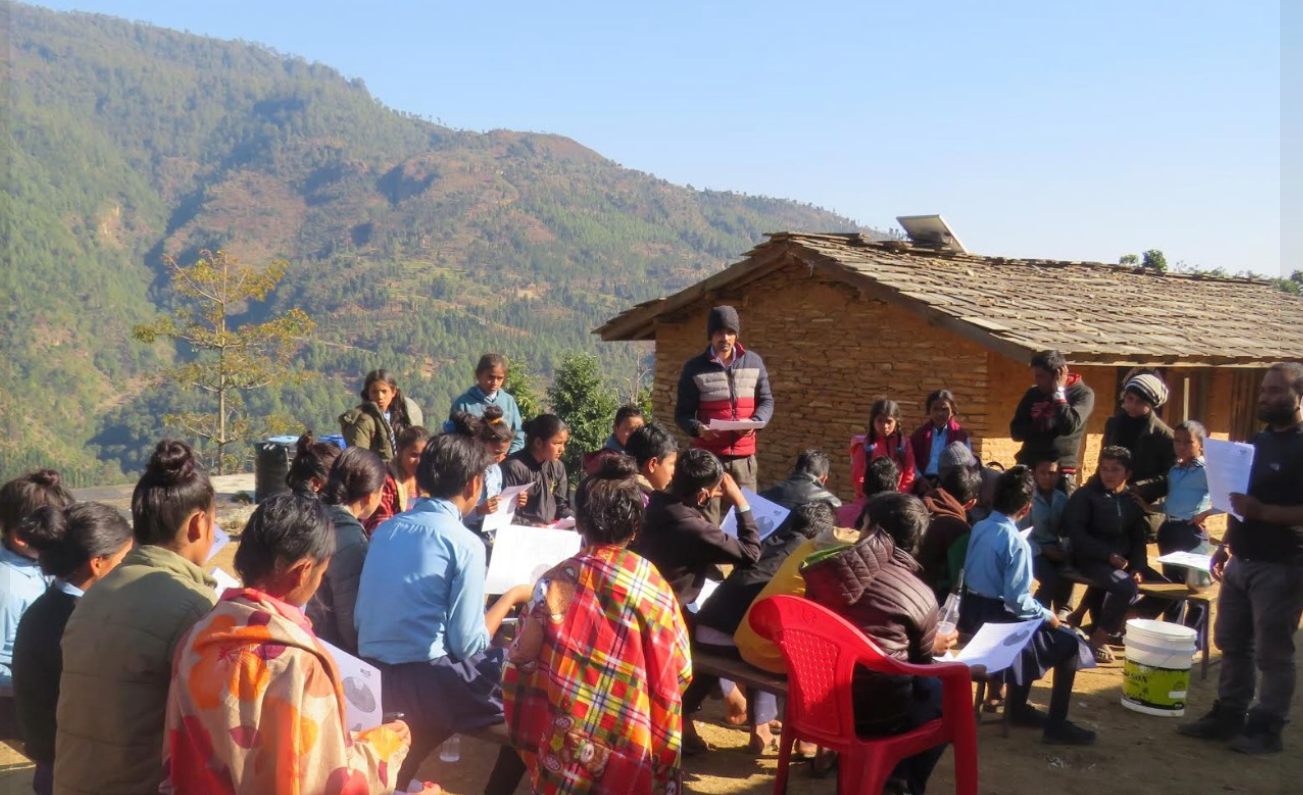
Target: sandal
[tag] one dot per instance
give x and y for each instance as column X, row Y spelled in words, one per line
column 761, row 747
column 824, row 763
column 1104, row 656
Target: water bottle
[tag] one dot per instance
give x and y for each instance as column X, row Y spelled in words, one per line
column 450, row 751
column 948, row 620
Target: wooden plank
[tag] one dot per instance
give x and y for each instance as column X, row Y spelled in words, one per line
column 740, row 672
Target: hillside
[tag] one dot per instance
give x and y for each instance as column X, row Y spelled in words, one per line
column 415, row 246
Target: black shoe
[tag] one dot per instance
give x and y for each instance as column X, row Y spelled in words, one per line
column 1026, row 717
column 1068, row 733
column 1219, row 724
column 1260, row 736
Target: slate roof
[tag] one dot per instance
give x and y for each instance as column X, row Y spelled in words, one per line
column 1093, row 313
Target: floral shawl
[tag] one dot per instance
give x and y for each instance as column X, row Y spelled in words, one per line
column 257, row 705
column 594, row 681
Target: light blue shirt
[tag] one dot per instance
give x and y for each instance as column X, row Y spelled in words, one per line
column 421, row 596
column 999, row 566
column 474, row 401
column 21, row 583
column 1046, row 520
column 1187, row 491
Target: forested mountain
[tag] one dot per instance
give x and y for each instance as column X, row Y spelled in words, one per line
column 415, row 246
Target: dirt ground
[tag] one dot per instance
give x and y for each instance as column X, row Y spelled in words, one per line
column 1135, row 755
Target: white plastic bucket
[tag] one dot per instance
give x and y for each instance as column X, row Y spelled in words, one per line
column 1157, row 670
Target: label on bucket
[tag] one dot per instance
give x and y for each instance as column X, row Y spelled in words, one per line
column 1162, row 689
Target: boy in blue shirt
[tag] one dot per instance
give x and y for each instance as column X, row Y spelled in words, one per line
column 1048, row 539
column 420, row 610
column 998, row 582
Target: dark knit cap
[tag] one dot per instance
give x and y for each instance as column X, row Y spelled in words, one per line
column 723, row 317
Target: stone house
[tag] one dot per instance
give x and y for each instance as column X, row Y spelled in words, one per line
column 842, row 319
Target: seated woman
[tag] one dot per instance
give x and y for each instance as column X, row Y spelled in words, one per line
column 576, row 732
column 884, row 438
column 1107, row 530
column 492, row 431
column 120, row 642
column 256, row 702
column 311, row 465
column 420, row 610
column 78, row 545
column 400, row 489
column 998, row 585
column 875, row 584
column 539, row 464
column 352, row 492
column 628, row 418
column 721, row 616
column 21, row 580
column 941, row 430
column 383, row 414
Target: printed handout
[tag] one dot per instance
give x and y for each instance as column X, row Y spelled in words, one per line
column 220, row 539
column 224, row 580
column 1190, row 560
column 362, row 690
column 736, row 425
column 506, row 511
column 1228, row 465
column 769, row 515
column 997, row 646
column 523, row 554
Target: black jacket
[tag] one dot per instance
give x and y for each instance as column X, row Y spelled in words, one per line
column 1100, row 523
column 800, row 489
column 731, row 600
column 37, row 666
column 1045, row 426
column 331, row 608
column 549, row 500
column 1152, row 457
column 683, row 545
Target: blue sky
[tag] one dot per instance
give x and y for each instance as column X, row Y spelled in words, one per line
column 1045, row 129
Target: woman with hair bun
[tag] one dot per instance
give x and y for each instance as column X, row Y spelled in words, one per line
column 355, row 488
column 78, row 546
column 21, row 580
column 311, row 465
column 539, row 464
column 629, row 742
column 119, row 643
column 383, row 414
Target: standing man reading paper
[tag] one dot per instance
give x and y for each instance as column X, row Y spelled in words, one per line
column 1261, row 570
column 725, row 382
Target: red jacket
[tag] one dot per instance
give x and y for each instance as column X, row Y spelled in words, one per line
column 709, row 390
column 921, row 441
column 896, row 447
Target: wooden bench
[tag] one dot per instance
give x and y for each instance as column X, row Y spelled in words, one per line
column 740, row 672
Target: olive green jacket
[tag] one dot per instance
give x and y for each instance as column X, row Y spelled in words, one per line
column 117, row 665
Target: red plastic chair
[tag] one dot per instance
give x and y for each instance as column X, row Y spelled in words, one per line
column 822, row 649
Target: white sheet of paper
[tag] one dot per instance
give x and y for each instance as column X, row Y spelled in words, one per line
column 736, row 425
column 363, row 706
column 523, row 554
column 706, row 591
column 224, row 580
column 997, row 646
column 220, row 539
column 1228, row 465
column 769, row 515
column 1026, row 533
column 1190, row 560
column 506, row 511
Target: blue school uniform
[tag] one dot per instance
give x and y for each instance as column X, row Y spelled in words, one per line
column 21, row 583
